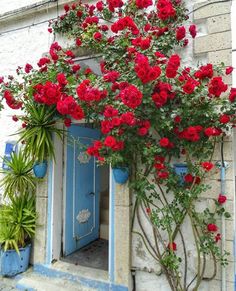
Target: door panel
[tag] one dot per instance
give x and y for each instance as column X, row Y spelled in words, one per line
column 82, row 190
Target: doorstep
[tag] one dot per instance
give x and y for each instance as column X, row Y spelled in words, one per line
column 63, row 276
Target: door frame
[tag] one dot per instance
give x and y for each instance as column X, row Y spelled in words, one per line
column 119, row 253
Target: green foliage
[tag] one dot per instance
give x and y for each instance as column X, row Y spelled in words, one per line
column 38, row 134
column 18, row 180
column 17, row 222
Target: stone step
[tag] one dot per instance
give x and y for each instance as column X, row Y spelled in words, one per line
column 104, row 231
column 104, row 216
column 37, row 282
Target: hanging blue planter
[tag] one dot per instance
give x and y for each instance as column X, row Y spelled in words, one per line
column 181, row 170
column 121, row 175
column 12, row 263
column 40, row 169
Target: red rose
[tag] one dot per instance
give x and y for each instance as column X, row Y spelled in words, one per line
column 172, row 246
column 224, row 118
column 222, row 199
column 61, row 79
column 188, row 178
column 192, row 30
column 217, row 237
column 180, row 33
column 164, row 142
column 97, row 36
column 207, row 166
column 229, row 70
column 78, row 42
column 15, row 118
column 163, row 175
column 232, row 94
column 66, row 7
column 28, row 68
column 110, row 141
column 67, row 122
column 212, row 227
column 189, row 87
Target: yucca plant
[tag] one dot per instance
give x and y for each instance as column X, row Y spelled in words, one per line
column 17, row 222
column 18, row 179
column 37, row 135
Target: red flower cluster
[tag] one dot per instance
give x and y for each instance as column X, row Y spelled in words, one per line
column 111, row 76
column 192, row 133
column 172, row 66
column 90, row 20
column 204, row 72
column 127, row 118
column 162, row 92
column 125, row 22
column 131, row 96
column 165, row 9
column 88, row 93
column 112, row 4
column 141, row 4
column 144, row 71
column 49, row 93
column 212, row 131
column 11, row 101
column 111, row 142
column 217, row 86
column 68, row 106
column 143, row 43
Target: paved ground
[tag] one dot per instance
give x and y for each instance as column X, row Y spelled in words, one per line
column 95, row 255
column 7, row 284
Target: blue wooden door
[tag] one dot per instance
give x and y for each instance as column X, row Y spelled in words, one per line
column 82, row 190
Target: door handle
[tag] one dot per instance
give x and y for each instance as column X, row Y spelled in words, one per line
column 91, row 193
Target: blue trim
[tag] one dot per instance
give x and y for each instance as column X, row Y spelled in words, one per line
column 50, row 213
column 112, row 228
column 24, row 287
column 98, row 285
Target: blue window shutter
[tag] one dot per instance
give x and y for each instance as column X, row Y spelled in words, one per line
column 9, row 148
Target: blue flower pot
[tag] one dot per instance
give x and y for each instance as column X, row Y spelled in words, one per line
column 121, row 175
column 181, row 170
column 40, row 169
column 12, row 263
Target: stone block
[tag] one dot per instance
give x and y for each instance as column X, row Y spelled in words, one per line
column 42, row 187
column 219, row 23
column 205, row 9
column 212, row 42
column 218, row 57
column 41, row 208
column 228, row 152
column 122, row 245
column 122, row 195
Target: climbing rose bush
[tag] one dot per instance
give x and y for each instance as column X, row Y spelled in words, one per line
column 152, row 112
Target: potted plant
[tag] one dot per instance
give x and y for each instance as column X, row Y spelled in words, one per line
column 18, row 179
column 17, row 228
column 37, row 135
